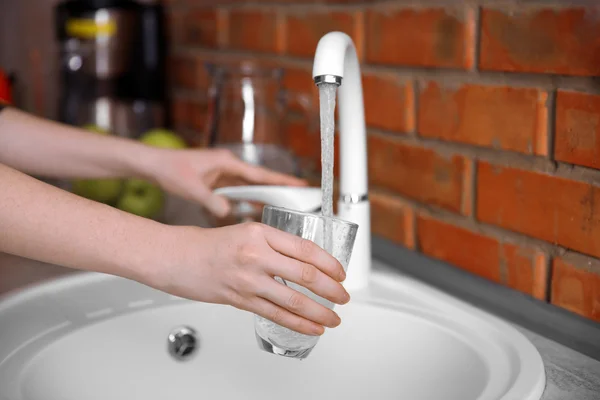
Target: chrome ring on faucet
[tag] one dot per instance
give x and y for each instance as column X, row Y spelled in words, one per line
column 328, row 79
column 354, row 198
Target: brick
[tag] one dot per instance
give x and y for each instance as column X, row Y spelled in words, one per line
column 550, row 208
column 198, row 116
column 200, row 28
column 303, row 30
column 501, row 117
column 524, row 269
column 470, row 251
column 179, row 113
column 541, row 40
column 304, row 143
column 517, row 267
column 190, row 119
column 174, row 25
column 392, row 219
column 577, row 137
column 303, row 94
column 576, row 287
column 298, row 80
column 416, row 172
column 190, row 72
column 253, row 30
column 425, row 37
column 389, row 103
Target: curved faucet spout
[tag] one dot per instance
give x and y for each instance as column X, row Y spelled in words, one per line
column 336, row 57
column 336, row 62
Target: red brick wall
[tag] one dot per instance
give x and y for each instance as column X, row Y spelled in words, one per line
column 484, row 123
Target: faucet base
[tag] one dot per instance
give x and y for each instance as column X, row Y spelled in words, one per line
column 359, row 268
column 269, row 347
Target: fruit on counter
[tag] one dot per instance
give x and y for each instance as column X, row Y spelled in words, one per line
column 163, row 138
column 96, row 129
column 101, row 190
column 141, row 198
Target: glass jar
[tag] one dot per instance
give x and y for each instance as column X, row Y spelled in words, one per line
column 247, row 106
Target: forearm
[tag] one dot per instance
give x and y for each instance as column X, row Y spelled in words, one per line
column 44, row 223
column 50, row 149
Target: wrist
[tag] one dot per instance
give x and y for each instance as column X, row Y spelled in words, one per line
column 147, row 246
column 174, row 247
column 143, row 162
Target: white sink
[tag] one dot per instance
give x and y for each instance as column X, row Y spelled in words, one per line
column 92, row 336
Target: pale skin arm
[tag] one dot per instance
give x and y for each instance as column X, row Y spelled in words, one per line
column 45, row 148
column 233, row 265
column 42, row 222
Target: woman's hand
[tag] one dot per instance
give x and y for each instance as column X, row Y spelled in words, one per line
column 192, row 174
column 236, row 265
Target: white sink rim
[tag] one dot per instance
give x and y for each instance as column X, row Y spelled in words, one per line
column 387, row 289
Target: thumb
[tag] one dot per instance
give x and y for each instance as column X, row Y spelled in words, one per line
column 217, row 205
column 202, row 194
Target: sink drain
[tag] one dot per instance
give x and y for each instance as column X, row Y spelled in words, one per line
column 183, row 343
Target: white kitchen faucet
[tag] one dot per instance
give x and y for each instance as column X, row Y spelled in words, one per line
column 336, row 62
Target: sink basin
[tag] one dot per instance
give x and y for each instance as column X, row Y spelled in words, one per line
column 92, row 336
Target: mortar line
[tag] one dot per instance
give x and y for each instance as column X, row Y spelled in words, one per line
column 515, row 160
column 386, row 4
column 415, row 232
column 498, row 157
column 416, row 87
column 192, row 93
column 551, row 124
column 533, row 4
column 473, row 180
column 492, row 78
column 588, row 263
column 500, row 234
column 448, row 148
column 476, row 38
column 549, row 275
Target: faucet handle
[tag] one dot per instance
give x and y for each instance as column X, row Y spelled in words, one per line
column 306, row 199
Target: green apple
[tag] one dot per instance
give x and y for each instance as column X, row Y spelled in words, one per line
column 96, row 129
column 101, row 190
column 163, row 138
column 141, row 198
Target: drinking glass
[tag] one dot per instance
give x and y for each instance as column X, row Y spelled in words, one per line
column 275, row 338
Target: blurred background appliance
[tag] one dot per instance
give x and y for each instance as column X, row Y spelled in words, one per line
column 112, row 65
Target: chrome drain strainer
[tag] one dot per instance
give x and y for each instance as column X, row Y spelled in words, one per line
column 183, row 343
